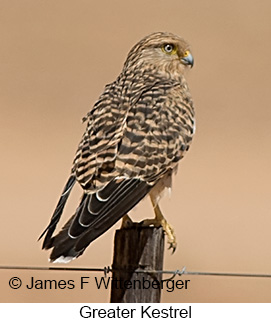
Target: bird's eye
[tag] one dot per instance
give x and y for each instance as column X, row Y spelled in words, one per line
column 169, row 49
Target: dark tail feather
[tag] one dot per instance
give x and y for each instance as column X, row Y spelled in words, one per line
column 63, row 244
column 73, row 239
column 57, row 214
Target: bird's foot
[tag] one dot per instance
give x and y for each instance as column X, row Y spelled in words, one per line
column 168, row 229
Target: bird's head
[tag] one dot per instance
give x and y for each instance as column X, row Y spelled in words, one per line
column 163, row 52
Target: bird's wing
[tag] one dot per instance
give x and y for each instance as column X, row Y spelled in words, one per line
column 93, row 165
column 119, row 169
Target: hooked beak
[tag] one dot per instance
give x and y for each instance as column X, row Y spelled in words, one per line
column 188, row 60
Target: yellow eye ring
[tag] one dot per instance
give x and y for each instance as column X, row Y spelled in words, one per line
column 169, row 49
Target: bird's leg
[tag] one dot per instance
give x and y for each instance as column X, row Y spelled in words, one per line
column 159, row 220
column 126, row 222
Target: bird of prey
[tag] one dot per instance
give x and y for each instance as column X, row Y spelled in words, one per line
column 136, row 133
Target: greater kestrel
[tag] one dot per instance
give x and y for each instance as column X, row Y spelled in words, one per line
column 136, row 133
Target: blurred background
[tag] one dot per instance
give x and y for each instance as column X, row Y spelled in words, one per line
column 57, row 56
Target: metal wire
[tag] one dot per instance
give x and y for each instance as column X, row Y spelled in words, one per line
column 108, row 269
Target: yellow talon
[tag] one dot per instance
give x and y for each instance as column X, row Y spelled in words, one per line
column 159, row 220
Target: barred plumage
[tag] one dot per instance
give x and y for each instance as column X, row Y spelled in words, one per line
column 136, row 133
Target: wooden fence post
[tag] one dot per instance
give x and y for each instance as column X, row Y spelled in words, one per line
column 135, row 248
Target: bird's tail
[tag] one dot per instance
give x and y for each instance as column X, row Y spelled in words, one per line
column 96, row 213
column 57, row 214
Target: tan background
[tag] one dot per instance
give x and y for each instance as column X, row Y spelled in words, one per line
column 56, row 57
